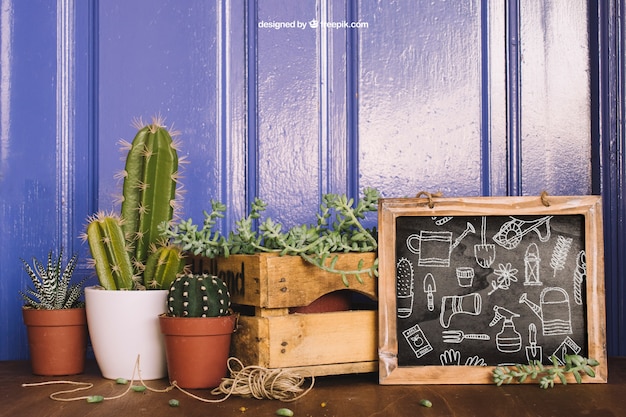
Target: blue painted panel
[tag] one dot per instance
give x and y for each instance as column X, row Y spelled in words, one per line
column 555, row 96
column 435, row 90
column 288, row 109
column 160, row 59
column 420, row 93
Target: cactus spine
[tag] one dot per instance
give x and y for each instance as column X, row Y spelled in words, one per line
column 123, row 247
column 193, row 295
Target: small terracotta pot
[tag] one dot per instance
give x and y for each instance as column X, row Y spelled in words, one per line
column 57, row 340
column 197, row 349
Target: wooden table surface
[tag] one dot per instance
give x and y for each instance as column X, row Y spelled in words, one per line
column 346, row 395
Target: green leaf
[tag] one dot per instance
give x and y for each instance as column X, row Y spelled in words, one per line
column 333, row 262
column 555, row 361
column 589, row 371
column 95, row 399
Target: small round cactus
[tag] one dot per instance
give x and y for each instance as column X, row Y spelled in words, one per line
column 193, row 295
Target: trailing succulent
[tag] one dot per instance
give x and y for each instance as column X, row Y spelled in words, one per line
column 194, row 295
column 52, row 288
column 576, row 365
column 315, row 243
column 127, row 251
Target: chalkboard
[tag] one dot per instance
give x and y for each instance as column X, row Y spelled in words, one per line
column 469, row 284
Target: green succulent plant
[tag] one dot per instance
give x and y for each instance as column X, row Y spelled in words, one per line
column 576, row 365
column 338, row 229
column 52, row 288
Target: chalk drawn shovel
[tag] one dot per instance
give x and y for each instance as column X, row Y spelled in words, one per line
column 429, row 288
column 533, row 352
column 485, row 253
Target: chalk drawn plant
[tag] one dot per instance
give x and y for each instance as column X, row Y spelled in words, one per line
column 404, row 287
column 505, row 275
column 560, row 252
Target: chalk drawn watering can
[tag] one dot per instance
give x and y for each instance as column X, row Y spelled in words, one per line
column 554, row 310
column 511, row 233
column 434, row 248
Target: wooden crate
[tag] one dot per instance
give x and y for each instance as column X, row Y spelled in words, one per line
column 265, row 286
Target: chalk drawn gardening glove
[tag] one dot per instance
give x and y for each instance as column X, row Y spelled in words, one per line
column 450, row 357
column 475, row 361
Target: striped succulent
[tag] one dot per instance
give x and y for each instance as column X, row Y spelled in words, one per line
column 52, row 288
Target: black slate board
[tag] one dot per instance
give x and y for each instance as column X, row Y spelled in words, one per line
column 508, row 290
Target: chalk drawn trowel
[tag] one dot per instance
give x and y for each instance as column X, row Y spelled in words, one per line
column 429, row 289
column 533, row 352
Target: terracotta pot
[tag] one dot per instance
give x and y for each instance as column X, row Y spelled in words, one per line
column 197, row 349
column 57, row 340
column 124, row 325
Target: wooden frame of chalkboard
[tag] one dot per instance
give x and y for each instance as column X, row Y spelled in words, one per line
column 468, row 284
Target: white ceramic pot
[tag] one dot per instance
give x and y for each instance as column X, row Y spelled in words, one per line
column 124, row 325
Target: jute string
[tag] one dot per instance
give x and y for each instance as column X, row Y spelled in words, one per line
column 429, row 196
column 245, row 381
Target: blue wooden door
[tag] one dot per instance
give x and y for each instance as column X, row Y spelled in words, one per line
column 288, row 101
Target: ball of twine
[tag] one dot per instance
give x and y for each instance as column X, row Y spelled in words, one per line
column 263, row 383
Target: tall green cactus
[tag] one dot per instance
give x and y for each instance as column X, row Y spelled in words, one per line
column 193, row 295
column 149, row 187
column 127, row 250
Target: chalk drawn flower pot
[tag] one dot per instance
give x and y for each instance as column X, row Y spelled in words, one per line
column 465, row 276
column 124, row 325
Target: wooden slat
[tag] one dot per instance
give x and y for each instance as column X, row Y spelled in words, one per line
column 269, row 280
column 308, row 340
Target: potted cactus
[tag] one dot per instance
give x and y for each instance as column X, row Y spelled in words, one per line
column 135, row 267
column 54, row 315
column 197, row 327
